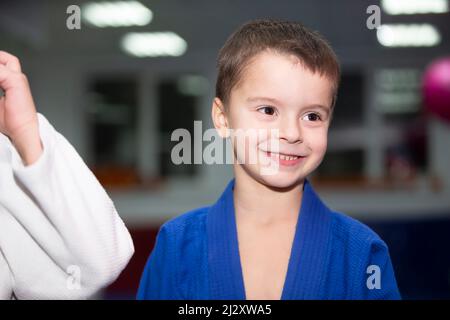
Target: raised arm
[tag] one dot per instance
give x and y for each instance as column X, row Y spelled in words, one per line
column 60, row 235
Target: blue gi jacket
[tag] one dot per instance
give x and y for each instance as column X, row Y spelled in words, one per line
column 196, row 256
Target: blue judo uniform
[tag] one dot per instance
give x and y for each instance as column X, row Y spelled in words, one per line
column 196, row 256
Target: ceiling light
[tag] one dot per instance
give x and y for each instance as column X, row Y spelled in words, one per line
column 408, row 35
column 116, row 14
column 154, row 44
column 395, row 7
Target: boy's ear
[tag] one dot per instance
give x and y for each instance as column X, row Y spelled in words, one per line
column 219, row 118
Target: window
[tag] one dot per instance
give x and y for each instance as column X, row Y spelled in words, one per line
column 177, row 109
column 112, row 114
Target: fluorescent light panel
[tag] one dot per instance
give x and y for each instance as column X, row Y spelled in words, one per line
column 153, row 44
column 116, row 14
column 396, row 7
column 408, row 35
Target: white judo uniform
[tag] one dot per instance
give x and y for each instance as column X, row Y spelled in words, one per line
column 60, row 234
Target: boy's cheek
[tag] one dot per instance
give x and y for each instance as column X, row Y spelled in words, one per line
column 322, row 148
column 317, row 141
column 245, row 122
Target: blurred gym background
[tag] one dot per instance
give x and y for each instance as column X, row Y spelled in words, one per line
column 117, row 87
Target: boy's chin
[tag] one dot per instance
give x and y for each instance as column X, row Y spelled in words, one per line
column 284, row 181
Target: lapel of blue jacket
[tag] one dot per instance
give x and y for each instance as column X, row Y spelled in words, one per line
column 309, row 256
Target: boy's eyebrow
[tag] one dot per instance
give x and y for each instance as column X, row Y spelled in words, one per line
column 255, row 99
column 275, row 101
column 325, row 109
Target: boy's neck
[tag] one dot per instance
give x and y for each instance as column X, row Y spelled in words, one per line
column 261, row 204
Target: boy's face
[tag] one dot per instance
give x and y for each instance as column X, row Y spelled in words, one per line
column 277, row 92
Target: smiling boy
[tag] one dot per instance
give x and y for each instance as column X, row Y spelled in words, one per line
column 269, row 236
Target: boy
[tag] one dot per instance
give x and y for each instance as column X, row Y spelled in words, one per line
column 60, row 235
column 269, row 236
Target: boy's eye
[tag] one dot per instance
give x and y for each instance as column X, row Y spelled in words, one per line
column 312, row 117
column 267, row 110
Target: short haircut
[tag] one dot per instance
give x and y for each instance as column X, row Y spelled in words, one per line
column 285, row 37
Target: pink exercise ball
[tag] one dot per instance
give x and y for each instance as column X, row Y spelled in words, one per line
column 436, row 88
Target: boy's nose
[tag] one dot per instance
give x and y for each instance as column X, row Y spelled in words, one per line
column 291, row 131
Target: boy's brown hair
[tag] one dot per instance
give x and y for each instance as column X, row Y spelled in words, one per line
column 284, row 37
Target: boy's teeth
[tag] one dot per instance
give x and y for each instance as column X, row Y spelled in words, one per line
column 284, row 157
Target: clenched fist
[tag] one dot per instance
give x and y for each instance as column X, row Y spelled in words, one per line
column 18, row 117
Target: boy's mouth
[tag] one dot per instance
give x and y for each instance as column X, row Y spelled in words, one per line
column 282, row 156
column 285, row 160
